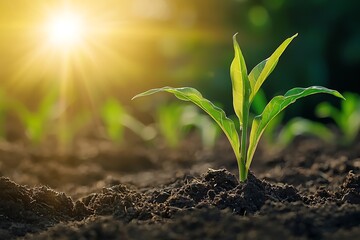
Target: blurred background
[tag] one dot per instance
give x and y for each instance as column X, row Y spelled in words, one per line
column 117, row 49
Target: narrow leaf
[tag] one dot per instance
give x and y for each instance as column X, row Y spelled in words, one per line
column 261, row 71
column 274, row 107
column 194, row 96
column 240, row 82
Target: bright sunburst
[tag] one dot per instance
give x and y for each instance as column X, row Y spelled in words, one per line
column 90, row 49
column 93, row 46
column 65, row 29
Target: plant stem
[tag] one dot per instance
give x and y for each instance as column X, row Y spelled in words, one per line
column 243, row 145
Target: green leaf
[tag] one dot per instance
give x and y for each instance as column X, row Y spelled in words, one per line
column 194, row 96
column 261, row 71
column 274, row 107
column 240, row 82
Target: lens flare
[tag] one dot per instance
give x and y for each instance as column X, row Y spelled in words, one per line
column 65, row 29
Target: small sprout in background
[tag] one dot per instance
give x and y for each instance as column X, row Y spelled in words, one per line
column 112, row 113
column 301, row 126
column 170, row 123
column 116, row 119
column 244, row 88
column 37, row 123
column 67, row 131
column 209, row 131
column 175, row 120
column 347, row 118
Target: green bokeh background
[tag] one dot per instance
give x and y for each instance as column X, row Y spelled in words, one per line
column 189, row 43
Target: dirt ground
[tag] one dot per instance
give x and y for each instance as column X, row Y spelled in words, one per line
column 310, row 190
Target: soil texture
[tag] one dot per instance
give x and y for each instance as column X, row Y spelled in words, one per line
column 310, row 190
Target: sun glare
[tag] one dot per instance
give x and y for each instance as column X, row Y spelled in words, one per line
column 82, row 44
column 65, row 29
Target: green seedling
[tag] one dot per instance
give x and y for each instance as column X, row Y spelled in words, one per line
column 209, row 132
column 175, row 120
column 37, row 122
column 301, row 126
column 347, row 118
column 170, row 123
column 116, row 119
column 244, row 89
column 66, row 131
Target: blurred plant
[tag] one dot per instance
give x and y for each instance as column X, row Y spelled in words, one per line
column 36, row 122
column 174, row 120
column 244, row 89
column 301, row 126
column 347, row 118
column 170, row 123
column 67, row 130
column 116, row 119
column 209, row 131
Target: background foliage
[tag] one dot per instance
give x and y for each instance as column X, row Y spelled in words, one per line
column 145, row 44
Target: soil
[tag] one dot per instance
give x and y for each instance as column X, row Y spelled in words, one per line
column 310, row 190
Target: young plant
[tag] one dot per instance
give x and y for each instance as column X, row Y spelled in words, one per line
column 244, row 89
column 347, row 118
column 301, row 126
column 209, row 131
column 37, row 122
column 66, row 131
column 116, row 118
column 170, row 123
column 174, row 120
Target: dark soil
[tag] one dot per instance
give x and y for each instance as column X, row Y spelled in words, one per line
column 310, row 190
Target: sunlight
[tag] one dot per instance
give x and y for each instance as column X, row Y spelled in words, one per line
column 95, row 46
column 65, row 29
column 89, row 50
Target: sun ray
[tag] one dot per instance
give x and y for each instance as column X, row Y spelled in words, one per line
column 93, row 50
